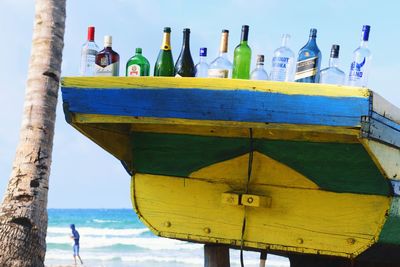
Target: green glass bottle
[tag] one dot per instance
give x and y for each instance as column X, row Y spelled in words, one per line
column 138, row 65
column 242, row 57
column 165, row 64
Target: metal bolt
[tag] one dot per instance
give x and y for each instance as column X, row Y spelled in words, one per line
column 250, row 200
column 207, row 230
column 167, row 224
column 300, row 240
column 351, row 241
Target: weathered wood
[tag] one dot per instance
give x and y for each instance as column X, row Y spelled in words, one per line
column 23, row 215
column 216, row 255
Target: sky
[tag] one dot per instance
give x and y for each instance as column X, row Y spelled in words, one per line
column 85, row 176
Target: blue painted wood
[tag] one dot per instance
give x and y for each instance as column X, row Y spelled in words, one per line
column 377, row 127
column 228, row 105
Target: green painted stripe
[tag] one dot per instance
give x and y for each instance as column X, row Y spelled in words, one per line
column 332, row 166
column 390, row 233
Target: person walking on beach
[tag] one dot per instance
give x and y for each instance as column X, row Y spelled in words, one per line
column 75, row 236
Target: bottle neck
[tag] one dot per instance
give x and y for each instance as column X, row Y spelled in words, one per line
column 285, row 40
column 364, row 43
column 166, row 43
column 202, row 59
column 260, row 65
column 333, row 62
column 186, row 40
column 223, row 48
column 245, row 36
column 312, row 40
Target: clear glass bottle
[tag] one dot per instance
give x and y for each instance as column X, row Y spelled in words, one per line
column 202, row 66
column 184, row 66
column 221, row 67
column 309, row 61
column 359, row 68
column 259, row 72
column 332, row 74
column 137, row 65
column 165, row 63
column 88, row 55
column 107, row 60
column 283, row 62
column 242, row 56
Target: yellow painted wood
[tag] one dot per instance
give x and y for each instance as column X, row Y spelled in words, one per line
column 230, row 198
column 256, row 201
column 266, row 171
column 386, row 158
column 289, row 88
column 299, row 219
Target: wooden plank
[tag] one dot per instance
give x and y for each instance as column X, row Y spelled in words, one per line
column 385, row 108
column 221, row 105
column 299, row 220
column 216, row 255
column 381, row 129
column 210, row 83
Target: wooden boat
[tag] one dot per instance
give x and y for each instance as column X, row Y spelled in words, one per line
column 284, row 167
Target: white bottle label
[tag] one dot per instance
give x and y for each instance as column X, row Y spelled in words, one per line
column 109, row 70
column 133, row 70
column 218, row 73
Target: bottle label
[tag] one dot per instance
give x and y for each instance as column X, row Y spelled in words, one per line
column 109, row 70
column 133, row 70
column 218, row 73
column 306, row 68
column 280, row 67
column 356, row 70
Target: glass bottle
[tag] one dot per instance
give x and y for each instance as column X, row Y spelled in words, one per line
column 184, row 66
column 107, row 60
column 259, row 72
column 283, row 62
column 138, row 65
column 221, row 67
column 165, row 64
column 309, row 61
column 359, row 68
column 88, row 55
column 242, row 56
column 332, row 74
column 202, row 66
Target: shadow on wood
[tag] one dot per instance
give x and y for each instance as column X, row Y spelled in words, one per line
column 325, row 261
column 216, row 255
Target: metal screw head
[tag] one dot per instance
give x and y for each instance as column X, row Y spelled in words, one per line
column 351, row 241
column 250, row 200
column 167, row 224
column 207, row 230
column 300, row 240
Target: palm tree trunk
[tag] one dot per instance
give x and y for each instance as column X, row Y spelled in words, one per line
column 23, row 213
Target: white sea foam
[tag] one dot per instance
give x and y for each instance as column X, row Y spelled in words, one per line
column 91, row 231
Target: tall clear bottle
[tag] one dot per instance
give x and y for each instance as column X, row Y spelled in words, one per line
column 359, row 68
column 332, row 74
column 283, row 62
column 107, row 60
column 184, row 66
column 242, row 56
column 88, row 55
column 221, row 67
column 309, row 61
column 202, row 66
column 165, row 64
column 259, row 72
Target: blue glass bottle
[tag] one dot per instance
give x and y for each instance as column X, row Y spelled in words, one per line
column 309, row 61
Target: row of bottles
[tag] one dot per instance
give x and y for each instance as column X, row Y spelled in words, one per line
column 284, row 67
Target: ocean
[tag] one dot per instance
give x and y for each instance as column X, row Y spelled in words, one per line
column 117, row 238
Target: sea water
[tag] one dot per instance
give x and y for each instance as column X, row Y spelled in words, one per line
column 117, row 238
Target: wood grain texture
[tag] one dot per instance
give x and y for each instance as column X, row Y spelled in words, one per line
column 379, row 128
column 222, row 105
column 298, row 220
column 290, row 88
column 385, row 108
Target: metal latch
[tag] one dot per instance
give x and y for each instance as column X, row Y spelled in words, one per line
column 251, row 200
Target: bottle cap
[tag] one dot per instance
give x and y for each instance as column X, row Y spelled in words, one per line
column 225, row 31
column 335, row 51
column 365, row 32
column 313, row 32
column 107, row 41
column 167, row 29
column 90, row 36
column 260, row 58
column 203, row 51
column 138, row 50
column 245, row 32
column 186, row 30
